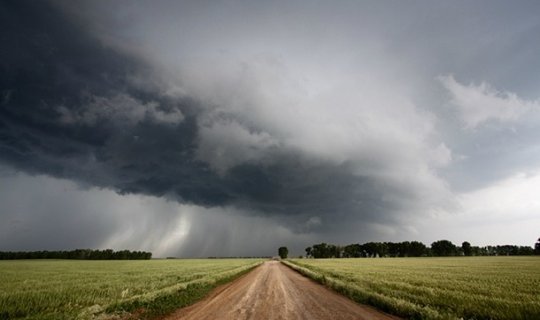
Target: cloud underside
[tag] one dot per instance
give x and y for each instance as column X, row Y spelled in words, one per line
column 76, row 109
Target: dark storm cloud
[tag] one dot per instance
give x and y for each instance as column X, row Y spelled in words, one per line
column 70, row 109
column 52, row 70
column 349, row 122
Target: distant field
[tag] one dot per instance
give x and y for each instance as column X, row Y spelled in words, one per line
column 70, row 289
column 436, row 288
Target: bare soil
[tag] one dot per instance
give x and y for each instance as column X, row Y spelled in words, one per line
column 273, row 291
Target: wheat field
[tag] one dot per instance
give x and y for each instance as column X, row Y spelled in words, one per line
column 435, row 288
column 73, row 289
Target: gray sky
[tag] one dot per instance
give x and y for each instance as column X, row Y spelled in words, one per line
column 232, row 128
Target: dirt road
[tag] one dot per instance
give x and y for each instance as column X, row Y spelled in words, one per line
column 273, row 291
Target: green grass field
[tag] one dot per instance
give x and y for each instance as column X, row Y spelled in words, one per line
column 436, row 288
column 73, row 289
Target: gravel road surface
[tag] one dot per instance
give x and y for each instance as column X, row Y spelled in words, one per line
column 273, row 291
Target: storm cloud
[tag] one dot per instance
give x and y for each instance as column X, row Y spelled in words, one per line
column 302, row 119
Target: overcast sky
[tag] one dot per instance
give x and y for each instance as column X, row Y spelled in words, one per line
column 235, row 127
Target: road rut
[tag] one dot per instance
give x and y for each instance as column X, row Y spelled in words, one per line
column 273, row 291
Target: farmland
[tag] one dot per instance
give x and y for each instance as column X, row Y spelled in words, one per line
column 435, row 288
column 66, row 289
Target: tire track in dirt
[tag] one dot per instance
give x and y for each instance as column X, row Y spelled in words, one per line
column 273, row 291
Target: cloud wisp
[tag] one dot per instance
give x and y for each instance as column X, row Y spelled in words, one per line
column 478, row 104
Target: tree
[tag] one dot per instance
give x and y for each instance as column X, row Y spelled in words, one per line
column 417, row 249
column 308, row 252
column 352, row 251
column 443, row 248
column 537, row 247
column 283, row 252
column 320, row 251
column 371, row 249
column 393, row 249
column 467, row 250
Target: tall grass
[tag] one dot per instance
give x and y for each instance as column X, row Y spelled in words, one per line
column 435, row 288
column 67, row 289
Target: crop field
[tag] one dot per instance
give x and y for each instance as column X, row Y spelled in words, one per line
column 73, row 289
column 435, row 288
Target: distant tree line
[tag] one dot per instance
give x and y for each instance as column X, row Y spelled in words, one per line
column 78, row 254
column 441, row 248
